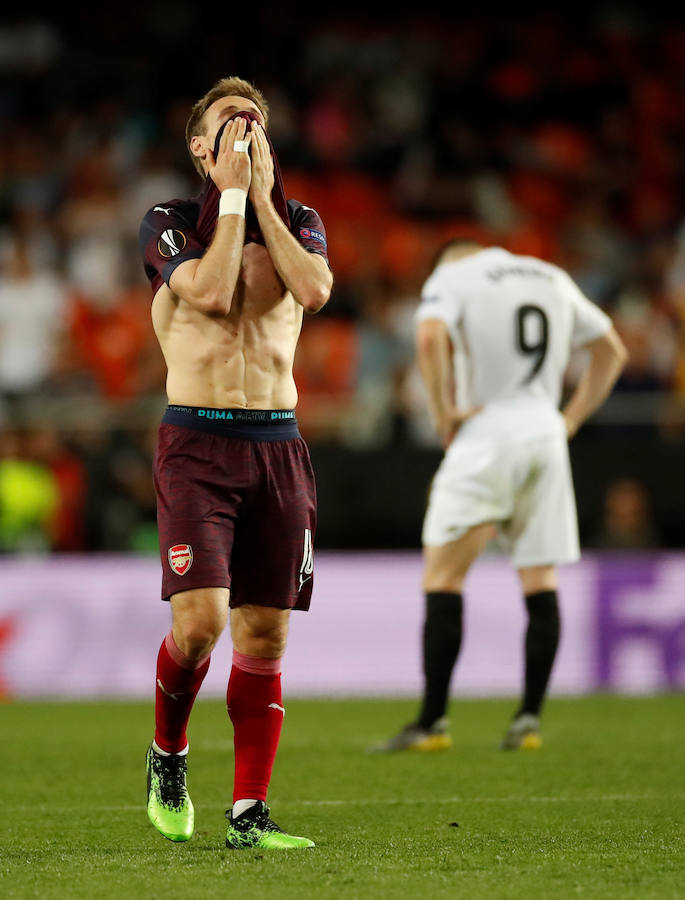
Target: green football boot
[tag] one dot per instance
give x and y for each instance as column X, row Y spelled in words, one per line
column 254, row 828
column 169, row 807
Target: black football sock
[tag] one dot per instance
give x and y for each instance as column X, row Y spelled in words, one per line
column 542, row 640
column 441, row 642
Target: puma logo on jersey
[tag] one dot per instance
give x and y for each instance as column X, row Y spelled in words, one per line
column 276, row 706
column 162, row 209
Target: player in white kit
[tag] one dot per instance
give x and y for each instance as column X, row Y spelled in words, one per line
column 494, row 334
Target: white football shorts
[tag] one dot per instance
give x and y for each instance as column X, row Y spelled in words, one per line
column 524, row 486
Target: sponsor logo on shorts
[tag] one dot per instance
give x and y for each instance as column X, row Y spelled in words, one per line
column 215, row 413
column 171, row 242
column 180, row 558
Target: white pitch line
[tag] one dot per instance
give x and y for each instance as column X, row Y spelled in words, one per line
column 628, row 798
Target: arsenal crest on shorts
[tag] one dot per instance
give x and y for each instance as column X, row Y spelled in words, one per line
column 180, row 558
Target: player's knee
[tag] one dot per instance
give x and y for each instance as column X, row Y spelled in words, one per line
column 260, row 632
column 538, row 579
column 443, row 583
column 199, row 618
column 197, row 638
column 267, row 642
column 443, row 573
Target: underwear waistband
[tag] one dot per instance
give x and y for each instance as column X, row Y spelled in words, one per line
column 248, row 424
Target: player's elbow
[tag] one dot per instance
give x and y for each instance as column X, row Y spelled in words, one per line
column 613, row 347
column 425, row 343
column 213, row 300
column 207, row 295
column 621, row 352
column 217, row 303
column 315, row 298
column 429, row 336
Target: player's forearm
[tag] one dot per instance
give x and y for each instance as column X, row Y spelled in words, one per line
column 607, row 359
column 433, row 350
column 438, row 403
column 214, row 282
column 307, row 280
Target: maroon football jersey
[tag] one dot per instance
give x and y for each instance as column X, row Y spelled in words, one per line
column 173, row 232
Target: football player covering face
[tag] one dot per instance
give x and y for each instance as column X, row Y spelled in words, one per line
column 235, row 489
column 219, row 113
column 241, row 365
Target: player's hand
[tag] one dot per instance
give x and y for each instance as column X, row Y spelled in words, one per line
column 231, row 168
column 262, row 165
column 451, row 420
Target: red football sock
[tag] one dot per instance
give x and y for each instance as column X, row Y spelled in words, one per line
column 178, row 681
column 255, row 705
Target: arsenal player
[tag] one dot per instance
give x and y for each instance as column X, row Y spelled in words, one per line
column 232, row 271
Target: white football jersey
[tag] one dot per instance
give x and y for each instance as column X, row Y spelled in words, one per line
column 514, row 321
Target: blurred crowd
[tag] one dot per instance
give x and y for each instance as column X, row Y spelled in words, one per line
column 550, row 135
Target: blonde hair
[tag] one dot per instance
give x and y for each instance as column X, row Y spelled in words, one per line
column 231, row 86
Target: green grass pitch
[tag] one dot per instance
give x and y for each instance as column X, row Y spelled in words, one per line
column 598, row 812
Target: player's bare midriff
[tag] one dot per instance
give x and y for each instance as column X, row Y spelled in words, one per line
column 242, row 360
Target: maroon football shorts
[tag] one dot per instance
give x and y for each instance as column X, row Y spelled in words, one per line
column 236, row 505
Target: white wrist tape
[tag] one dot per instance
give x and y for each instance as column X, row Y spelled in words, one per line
column 232, row 202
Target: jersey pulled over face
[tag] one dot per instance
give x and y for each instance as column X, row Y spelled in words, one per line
column 514, row 321
column 243, row 359
column 178, row 230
